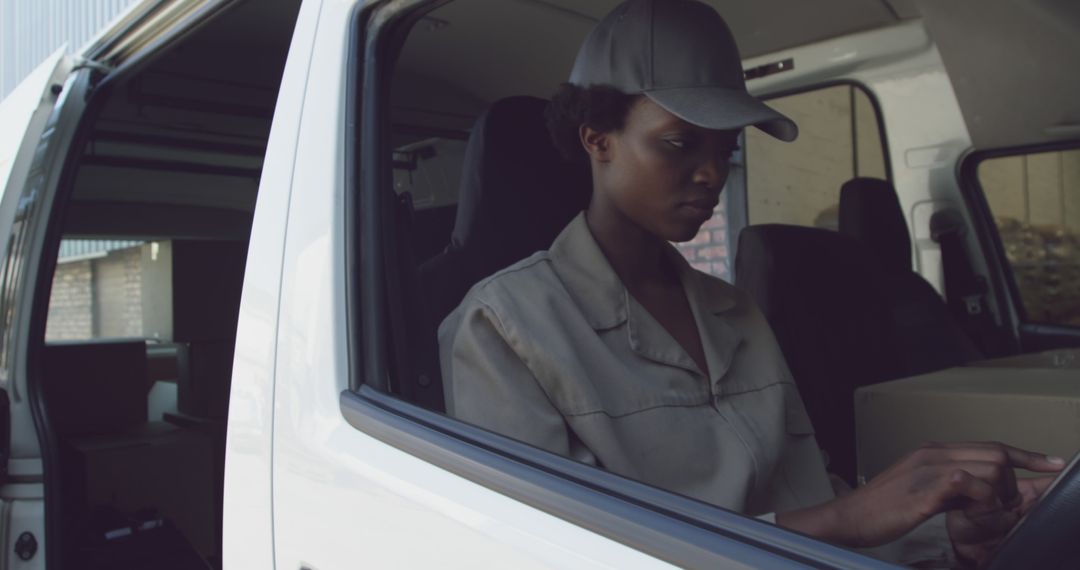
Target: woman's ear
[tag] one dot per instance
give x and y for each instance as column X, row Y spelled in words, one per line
column 596, row 143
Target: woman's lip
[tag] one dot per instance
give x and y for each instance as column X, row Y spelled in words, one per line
column 702, row 204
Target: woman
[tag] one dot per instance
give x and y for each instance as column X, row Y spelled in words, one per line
column 610, row 349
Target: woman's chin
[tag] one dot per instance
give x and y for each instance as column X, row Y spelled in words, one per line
column 683, row 232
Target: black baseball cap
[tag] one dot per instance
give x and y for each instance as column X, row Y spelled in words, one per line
column 682, row 56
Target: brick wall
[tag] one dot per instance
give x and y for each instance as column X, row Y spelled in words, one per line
column 71, row 302
column 709, row 251
column 97, row 298
column 118, row 293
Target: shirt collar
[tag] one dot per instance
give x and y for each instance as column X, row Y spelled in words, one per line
column 606, row 304
column 587, row 275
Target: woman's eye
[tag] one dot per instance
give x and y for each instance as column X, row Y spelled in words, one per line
column 678, row 143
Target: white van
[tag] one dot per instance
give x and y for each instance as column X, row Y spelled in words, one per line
column 231, row 227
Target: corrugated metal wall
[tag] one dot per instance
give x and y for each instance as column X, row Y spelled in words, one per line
column 30, row 30
column 73, row 249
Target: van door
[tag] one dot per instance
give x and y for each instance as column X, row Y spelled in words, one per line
column 39, row 119
column 24, row 113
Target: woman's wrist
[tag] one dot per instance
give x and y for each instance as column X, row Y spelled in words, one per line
column 831, row 522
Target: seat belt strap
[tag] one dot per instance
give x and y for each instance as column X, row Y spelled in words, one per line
column 965, row 290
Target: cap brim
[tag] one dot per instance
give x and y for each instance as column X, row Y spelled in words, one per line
column 723, row 109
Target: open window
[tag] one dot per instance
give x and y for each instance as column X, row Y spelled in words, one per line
column 419, row 128
column 798, row 183
column 1027, row 202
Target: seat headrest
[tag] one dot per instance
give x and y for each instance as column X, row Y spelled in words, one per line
column 813, row 268
column 870, row 212
column 517, row 193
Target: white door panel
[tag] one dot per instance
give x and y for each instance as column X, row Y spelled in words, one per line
column 33, row 140
column 50, row 110
column 23, row 509
column 248, row 508
column 23, row 114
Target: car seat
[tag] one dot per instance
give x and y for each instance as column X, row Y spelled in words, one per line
column 517, row 193
column 820, row 292
column 928, row 336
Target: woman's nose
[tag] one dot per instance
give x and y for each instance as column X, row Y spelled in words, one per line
column 712, row 172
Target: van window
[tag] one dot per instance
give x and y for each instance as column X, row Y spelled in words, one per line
column 799, row 183
column 465, row 133
column 111, row 289
column 1035, row 202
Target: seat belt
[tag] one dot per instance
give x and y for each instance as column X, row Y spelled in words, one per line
column 965, row 290
column 415, row 346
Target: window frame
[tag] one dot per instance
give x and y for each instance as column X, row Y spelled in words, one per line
column 744, row 200
column 1031, row 335
column 668, row 526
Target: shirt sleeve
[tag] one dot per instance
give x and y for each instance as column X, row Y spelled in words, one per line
column 487, row 383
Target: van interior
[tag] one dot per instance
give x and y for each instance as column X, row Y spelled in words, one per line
column 863, row 281
column 153, row 234
column 146, row 290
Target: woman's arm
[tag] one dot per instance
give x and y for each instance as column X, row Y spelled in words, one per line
column 973, row 482
column 487, row 384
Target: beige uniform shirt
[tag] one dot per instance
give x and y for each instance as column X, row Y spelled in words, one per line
column 554, row 351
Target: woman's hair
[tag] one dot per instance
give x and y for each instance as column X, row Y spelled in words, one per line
column 601, row 107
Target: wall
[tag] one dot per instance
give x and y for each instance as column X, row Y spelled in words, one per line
column 71, row 304
column 157, row 291
column 121, row 293
column 30, row 30
column 1040, row 189
column 799, row 182
column 1035, row 201
column 709, row 251
column 118, row 294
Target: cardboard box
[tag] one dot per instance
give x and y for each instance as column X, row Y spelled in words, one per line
column 1031, row 408
column 157, row 466
column 1062, row 358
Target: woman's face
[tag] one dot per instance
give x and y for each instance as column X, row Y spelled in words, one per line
column 660, row 172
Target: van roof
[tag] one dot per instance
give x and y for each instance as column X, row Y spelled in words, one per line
column 1005, row 57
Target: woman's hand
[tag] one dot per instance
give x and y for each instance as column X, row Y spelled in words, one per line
column 973, row 481
column 977, row 531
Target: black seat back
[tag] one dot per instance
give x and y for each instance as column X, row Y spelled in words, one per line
column 819, row 292
column 928, row 337
column 517, row 194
